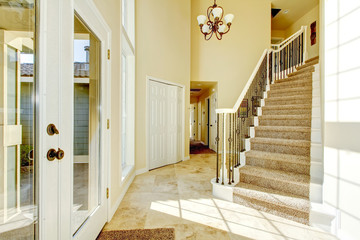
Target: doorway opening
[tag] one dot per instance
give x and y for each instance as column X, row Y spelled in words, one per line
column 203, row 117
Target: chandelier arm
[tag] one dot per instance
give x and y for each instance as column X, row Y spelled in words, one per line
column 222, row 13
column 210, row 35
column 218, row 35
column 209, row 10
column 227, row 29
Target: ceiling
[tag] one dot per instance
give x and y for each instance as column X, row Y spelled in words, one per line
column 203, row 86
column 296, row 9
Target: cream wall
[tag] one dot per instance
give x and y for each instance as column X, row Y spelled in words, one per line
column 230, row 61
column 111, row 13
column 278, row 34
column 306, row 20
column 342, row 117
column 162, row 51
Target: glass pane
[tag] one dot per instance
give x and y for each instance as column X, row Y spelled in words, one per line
column 86, row 123
column 11, row 85
column 18, row 209
column 123, row 111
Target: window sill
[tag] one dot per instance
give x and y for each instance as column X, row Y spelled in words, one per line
column 126, row 171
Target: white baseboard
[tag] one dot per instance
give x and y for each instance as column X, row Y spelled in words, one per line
column 141, row 171
column 186, row 158
column 120, row 198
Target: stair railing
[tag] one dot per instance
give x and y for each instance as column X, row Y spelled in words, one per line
column 289, row 54
column 234, row 124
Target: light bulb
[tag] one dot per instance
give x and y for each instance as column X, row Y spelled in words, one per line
column 229, row 18
column 217, row 12
column 201, row 19
column 222, row 28
column 205, row 29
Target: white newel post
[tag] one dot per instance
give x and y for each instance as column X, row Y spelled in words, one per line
column 223, row 166
column 305, row 57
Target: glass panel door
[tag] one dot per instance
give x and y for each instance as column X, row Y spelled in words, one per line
column 86, row 181
column 18, row 209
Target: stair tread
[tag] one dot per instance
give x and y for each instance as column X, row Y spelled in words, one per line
column 276, row 175
column 304, row 160
column 300, row 78
column 312, row 59
column 292, row 89
column 286, row 117
column 309, row 68
column 288, row 106
column 273, row 196
column 283, row 128
column 280, row 141
column 302, row 96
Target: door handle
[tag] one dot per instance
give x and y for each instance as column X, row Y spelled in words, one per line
column 51, row 129
column 52, row 154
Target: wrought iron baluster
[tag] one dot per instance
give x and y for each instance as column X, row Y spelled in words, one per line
column 217, row 148
column 223, row 152
column 229, row 163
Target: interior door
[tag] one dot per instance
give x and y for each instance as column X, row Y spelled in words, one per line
column 192, row 122
column 212, row 131
column 199, row 121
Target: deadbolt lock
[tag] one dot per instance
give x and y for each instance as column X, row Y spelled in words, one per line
column 51, row 129
column 52, row 154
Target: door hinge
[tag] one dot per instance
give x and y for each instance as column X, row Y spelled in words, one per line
column 107, row 193
column 108, row 124
column 109, row 54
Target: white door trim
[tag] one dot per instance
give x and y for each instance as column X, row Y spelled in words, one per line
column 87, row 10
column 207, row 118
column 148, row 79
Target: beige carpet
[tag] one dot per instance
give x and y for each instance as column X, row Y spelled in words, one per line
column 276, row 178
column 139, row 234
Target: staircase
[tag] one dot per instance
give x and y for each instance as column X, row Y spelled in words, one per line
column 276, row 177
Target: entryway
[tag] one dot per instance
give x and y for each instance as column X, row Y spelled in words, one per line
column 203, row 105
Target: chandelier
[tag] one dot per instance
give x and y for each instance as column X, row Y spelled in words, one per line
column 215, row 23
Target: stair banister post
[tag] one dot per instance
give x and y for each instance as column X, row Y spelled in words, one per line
column 223, row 167
column 305, row 44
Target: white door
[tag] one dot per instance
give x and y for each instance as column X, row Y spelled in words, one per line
column 157, row 121
column 199, row 121
column 72, row 87
column 212, row 131
column 192, row 122
column 165, row 121
column 52, row 148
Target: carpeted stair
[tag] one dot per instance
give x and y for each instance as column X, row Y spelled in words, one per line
column 276, row 178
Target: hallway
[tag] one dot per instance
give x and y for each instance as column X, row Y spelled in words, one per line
column 179, row 196
column 197, row 147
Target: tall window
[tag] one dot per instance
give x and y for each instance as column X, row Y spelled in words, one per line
column 127, row 86
column 123, row 111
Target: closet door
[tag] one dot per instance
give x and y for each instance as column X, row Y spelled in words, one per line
column 171, row 124
column 180, row 121
column 158, row 129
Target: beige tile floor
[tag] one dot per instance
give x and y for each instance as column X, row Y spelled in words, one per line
column 179, row 196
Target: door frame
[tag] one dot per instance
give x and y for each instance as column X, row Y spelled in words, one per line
column 147, row 113
column 199, row 120
column 212, row 96
column 86, row 10
column 207, row 117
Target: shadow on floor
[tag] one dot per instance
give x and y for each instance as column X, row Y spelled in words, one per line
column 197, row 147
